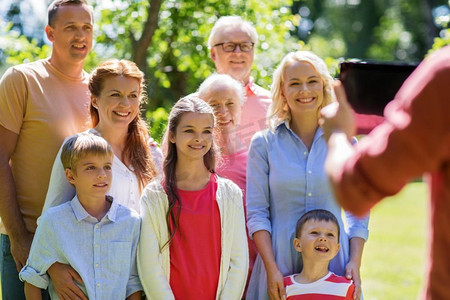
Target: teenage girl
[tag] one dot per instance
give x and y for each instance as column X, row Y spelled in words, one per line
column 193, row 242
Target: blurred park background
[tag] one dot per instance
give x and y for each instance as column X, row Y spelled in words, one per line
column 168, row 40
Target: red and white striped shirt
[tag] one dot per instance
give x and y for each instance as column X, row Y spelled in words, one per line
column 329, row 287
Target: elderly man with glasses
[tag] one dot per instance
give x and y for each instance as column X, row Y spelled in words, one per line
column 231, row 44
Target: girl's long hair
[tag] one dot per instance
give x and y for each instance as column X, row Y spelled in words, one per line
column 190, row 103
column 137, row 150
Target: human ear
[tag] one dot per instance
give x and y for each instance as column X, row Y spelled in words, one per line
column 171, row 137
column 94, row 102
column 69, row 176
column 212, row 52
column 285, row 105
column 49, row 33
column 282, row 92
column 297, row 245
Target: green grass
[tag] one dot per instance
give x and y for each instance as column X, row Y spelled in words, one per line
column 393, row 258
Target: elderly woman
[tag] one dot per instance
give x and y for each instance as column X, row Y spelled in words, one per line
column 226, row 96
column 286, row 178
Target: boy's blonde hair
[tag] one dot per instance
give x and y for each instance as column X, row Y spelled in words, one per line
column 81, row 145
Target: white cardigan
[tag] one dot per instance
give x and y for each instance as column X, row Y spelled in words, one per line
column 154, row 262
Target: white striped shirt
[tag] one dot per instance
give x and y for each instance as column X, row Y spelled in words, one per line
column 329, row 287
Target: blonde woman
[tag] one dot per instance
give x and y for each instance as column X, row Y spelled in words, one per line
column 286, row 178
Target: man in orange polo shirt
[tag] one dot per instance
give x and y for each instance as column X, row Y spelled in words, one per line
column 41, row 103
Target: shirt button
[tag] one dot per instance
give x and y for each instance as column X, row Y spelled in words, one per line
column 98, row 284
column 96, row 246
column 305, row 153
column 309, row 194
column 309, row 172
column 96, row 265
column 96, row 226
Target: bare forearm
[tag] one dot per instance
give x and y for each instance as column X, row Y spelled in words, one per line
column 32, row 292
column 263, row 243
column 135, row 296
column 9, row 209
column 275, row 286
column 352, row 269
column 356, row 250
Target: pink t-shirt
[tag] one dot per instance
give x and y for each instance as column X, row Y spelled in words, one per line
column 234, row 167
column 195, row 250
column 254, row 110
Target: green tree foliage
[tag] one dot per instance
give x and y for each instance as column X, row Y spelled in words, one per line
column 443, row 20
column 400, row 30
column 441, row 41
column 168, row 38
column 17, row 48
column 177, row 56
column 158, row 121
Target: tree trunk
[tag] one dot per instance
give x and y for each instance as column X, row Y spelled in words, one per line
column 141, row 46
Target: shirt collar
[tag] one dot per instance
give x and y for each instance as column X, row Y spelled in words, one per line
column 319, row 132
column 250, row 87
column 112, row 212
column 285, row 124
column 81, row 213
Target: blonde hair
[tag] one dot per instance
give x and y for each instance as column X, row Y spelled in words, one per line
column 221, row 80
column 82, row 145
column 277, row 112
column 227, row 22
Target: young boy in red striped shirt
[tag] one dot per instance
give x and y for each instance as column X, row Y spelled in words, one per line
column 317, row 239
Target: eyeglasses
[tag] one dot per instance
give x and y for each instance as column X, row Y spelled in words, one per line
column 230, row 47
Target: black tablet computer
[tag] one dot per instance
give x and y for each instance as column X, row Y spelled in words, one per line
column 371, row 85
